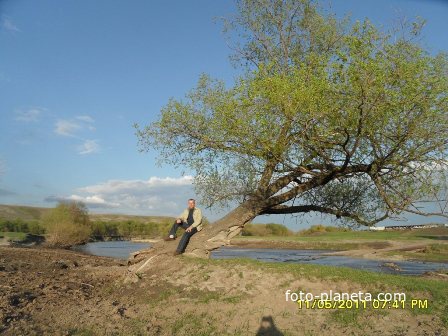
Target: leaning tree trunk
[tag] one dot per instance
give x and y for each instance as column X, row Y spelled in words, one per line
column 201, row 244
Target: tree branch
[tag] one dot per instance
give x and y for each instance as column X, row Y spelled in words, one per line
column 314, row 182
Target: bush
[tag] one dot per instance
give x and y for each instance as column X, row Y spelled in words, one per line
column 262, row 230
column 319, row 228
column 278, row 229
column 68, row 224
column 19, row 225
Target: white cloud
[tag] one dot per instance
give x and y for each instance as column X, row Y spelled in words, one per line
column 29, row 115
column 155, row 196
column 94, row 201
column 7, row 24
column 70, row 127
column 66, row 127
column 74, row 127
column 88, row 147
column 136, row 186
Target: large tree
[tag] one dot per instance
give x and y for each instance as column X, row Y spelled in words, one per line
column 327, row 116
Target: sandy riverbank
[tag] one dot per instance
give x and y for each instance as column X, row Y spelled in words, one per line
column 145, row 240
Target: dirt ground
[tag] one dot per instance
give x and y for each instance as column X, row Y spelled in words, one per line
column 60, row 292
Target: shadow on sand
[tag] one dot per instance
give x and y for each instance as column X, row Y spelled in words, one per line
column 268, row 328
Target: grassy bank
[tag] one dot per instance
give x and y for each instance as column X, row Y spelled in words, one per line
column 276, row 242
column 432, row 252
column 405, row 235
column 434, row 290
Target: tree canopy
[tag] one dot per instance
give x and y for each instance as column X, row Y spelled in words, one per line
column 327, row 115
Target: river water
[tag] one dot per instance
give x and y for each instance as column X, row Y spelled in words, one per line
column 122, row 249
column 116, row 249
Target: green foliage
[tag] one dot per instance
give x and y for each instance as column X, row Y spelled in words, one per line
column 133, row 228
column 13, row 236
column 67, row 224
column 190, row 323
column 130, row 229
column 360, row 110
column 319, row 228
column 105, row 226
column 262, row 230
column 278, row 229
column 19, row 225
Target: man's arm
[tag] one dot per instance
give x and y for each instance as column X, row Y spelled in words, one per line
column 183, row 216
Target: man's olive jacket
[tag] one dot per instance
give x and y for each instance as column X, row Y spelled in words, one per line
column 197, row 217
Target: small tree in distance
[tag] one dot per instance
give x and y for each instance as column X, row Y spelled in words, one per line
column 67, row 224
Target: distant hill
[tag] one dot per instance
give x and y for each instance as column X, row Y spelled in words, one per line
column 29, row 213
column 26, row 213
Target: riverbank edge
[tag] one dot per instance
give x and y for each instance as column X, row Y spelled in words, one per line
column 389, row 250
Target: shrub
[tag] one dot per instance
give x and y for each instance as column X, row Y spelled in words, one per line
column 319, row 228
column 19, row 225
column 68, row 224
column 262, row 230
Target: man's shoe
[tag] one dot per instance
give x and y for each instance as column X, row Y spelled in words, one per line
column 168, row 238
column 177, row 253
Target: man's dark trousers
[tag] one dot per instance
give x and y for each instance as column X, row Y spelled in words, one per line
column 185, row 237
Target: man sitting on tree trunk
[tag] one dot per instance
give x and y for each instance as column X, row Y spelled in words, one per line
column 191, row 221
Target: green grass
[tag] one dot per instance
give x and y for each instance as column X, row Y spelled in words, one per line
column 350, row 235
column 322, row 243
column 432, row 252
column 13, row 235
column 23, row 212
column 80, row 332
column 346, row 317
column 206, row 297
column 436, row 291
column 194, row 324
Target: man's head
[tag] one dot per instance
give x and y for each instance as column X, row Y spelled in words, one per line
column 191, row 203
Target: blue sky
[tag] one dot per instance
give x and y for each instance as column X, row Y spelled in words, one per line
column 75, row 76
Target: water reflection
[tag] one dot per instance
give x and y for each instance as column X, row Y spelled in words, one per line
column 114, row 249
